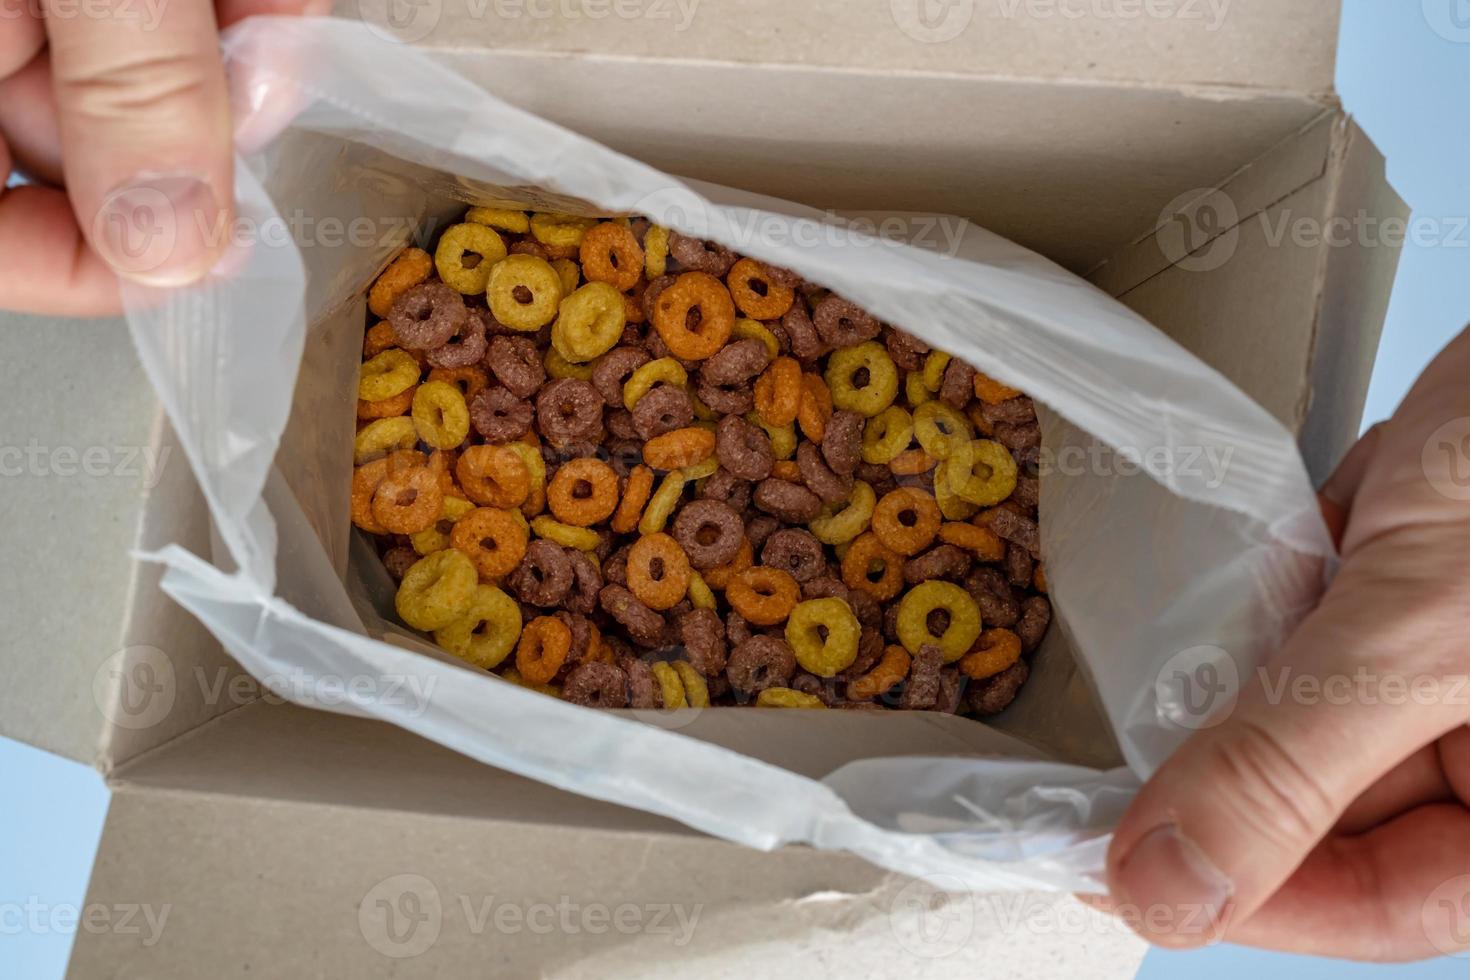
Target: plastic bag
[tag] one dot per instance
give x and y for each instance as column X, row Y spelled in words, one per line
column 1187, row 539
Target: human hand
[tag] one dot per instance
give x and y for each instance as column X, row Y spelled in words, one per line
column 1339, row 824
column 124, row 104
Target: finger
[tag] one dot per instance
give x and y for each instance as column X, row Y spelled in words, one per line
column 28, row 120
column 145, row 131
column 1417, row 781
column 1341, row 487
column 1229, row 816
column 22, row 35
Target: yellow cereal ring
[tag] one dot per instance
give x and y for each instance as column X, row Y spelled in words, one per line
column 882, row 384
column 824, row 657
column 411, row 267
column 952, row 507
column 437, row 590
column 390, row 373
column 934, row 368
column 914, row 390
column 581, row 538
column 696, row 691
column 913, row 619
column 701, row 470
column 465, row 256
column 487, row 632
column 590, row 322
column 665, row 370
column 560, row 230
column 941, row 430
column 785, row 697
column 661, row 505
column 670, row 686
column 984, row 473
column 747, row 329
column 440, row 416
column 524, row 292
column 514, row 676
column 886, row 435
column 701, row 596
column 570, row 275
column 536, row 465
column 559, row 367
column 436, row 538
column 702, row 411
column 381, row 437
column 852, row 519
column 655, row 252
column 783, row 437
column 515, row 222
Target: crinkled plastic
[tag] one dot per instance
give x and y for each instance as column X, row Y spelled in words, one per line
column 1200, row 532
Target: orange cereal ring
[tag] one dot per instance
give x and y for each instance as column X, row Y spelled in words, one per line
column 636, row 492
column 893, row 668
column 720, row 578
column 583, row 492
column 866, row 556
column 610, row 253
column 369, row 476
column 986, row 544
column 469, row 380
column 378, row 339
column 411, row 267
column 658, row 571
column 494, row 540
column 778, row 392
column 912, row 462
column 494, row 476
column 764, row 596
column 680, row 448
column 386, row 408
column 786, row 469
column 545, row 643
column 996, row 652
column 814, row 410
column 991, row 391
column 756, row 294
column 633, row 302
column 555, row 252
column 906, row 520
column 408, row 501
column 694, row 316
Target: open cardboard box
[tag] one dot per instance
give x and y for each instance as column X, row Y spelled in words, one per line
column 275, row 836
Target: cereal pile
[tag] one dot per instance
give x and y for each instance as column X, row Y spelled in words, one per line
column 632, row 469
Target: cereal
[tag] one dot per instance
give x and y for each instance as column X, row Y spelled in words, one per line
column 387, row 407
column 906, row 350
column 566, row 535
column 872, row 567
column 853, row 517
column 842, row 324
column 436, row 591
column 823, row 634
column 997, row 651
column 655, row 251
column 671, row 686
column 398, row 561
column 787, row 501
column 707, row 257
column 543, row 648
column 694, row 316
column 610, row 253
column 703, row 638
column 487, row 632
column 568, row 410
column 408, row 501
column 661, row 505
column 862, row 379
column 795, row 552
column 744, row 450
column 763, row 595
column 759, row 663
column 940, row 430
column 636, row 491
column 984, row 473
column 992, row 392
column 806, row 344
column 736, row 364
column 411, row 267
column 718, row 578
column 994, row 695
column 696, row 689
column 661, row 411
column 390, row 373
column 583, row 492
column 644, row 692
column 427, row 315
column 756, row 294
column 504, row 219
column 955, row 637
column 524, row 292
column 888, row 674
column 612, row 371
column 560, row 230
column 921, row 690
column 589, row 323
column 710, row 533
column 381, row 437
column 757, row 331
column 680, row 448
column 492, row 539
column 587, row 582
column 785, row 697
column 985, row 543
column 1035, row 618
column 440, row 415
column 886, row 435
column 544, row 575
column 814, row 410
column 644, row 626
column 665, row 370
column 597, row 685
column 842, row 444
column 658, row 571
column 944, row 561
column 818, row 477
column 494, row 476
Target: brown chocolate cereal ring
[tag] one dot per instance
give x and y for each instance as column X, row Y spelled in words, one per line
column 662, row 410
column 787, row 501
column 842, row 443
column 1035, row 618
column 759, row 529
column 644, row 626
column 544, row 575
column 500, row 416
column 943, row 562
column 703, row 637
column 619, row 422
column 644, row 691
column 516, row 364
column 726, row 401
column 727, row 487
column 597, row 685
column 1019, row 565
column 465, row 347
column 613, row 369
column 921, row 690
column 806, row 344
column 819, row 478
column 796, row 552
column 995, row 596
column 744, row 450
column 427, row 315
column 958, row 385
column 568, row 410
column 399, row 560
column 907, row 351
column 843, row 324
column 710, row 533
column 991, row 697
column 586, row 584
column 758, row 663
column 735, row 364
column 701, row 256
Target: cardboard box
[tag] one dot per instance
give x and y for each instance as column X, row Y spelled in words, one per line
column 1173, row 159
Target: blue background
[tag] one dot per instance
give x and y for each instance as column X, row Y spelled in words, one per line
column 1410, row 89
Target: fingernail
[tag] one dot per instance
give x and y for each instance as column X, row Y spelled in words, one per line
column 1173, row 894
column 161, row 229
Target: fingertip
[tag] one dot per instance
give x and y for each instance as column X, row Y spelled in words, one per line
column 163, row 229
column 1169, row 891
column 50, row 269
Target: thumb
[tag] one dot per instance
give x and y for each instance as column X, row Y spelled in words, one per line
column 146, row 137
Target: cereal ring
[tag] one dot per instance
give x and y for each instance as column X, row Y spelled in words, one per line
column 597, row 685
column 944, row 561
column 494, row 476
column 759, row 663
column 912, row 462
column 710, row 533
column 806, row 344
column 610, row 253
column 408, row 501
column 671, row 686
column 694, row 316
column 786, row 469
column 583, row 492
column 696, row 689
column 996, row 652
column 398, row 561
column 661, row 505
column 789, row 502
column 992, row 392
column 886, row 435
column 785, row 697
column 590, row 323
column 661, row 411
column 665, row 370
column 411, row 267
column 887, row 675
column 436, row 536
column 756, row 294
column 440, row 415
column 566, row 535
column 718, row 578
column 524, row 292
column 982, row 472
column 636, row 492
column 703, row 637
column 842, row 445
column 985, row 543
column 385, row 408
column 906, row 521
column 559, row 367
column 492, row 539
column 680, row 448
column 852, row 519
column 515, row 222
column 941, row 430
column 914, row 390
column 701, row 256
column 388, row 374
column 487, row 632
column 381, row 437
column 614, row 370
column 725, row 401
column 436, row 591
column 994, row 695
column 568, row 410
column 658, row 571
column 906, row 350
column 757, row 331
column 644, row 626
column 1038, row 580
column 921, row 693
column 783, row 437
column 427, row 315
column 1015, row 528
column 544, row 575
column 956, row 636
column 516, row 365
column 1035, row 618
column 644, row 692
column 735, row 364
column 957, row 387
column 814, row 410
column 465, row 256
column 763, row 595
column 368, row 477
column 466, row 347
column 560, row 231
column 872, row 567
column 862, row 379
column 544, row 645
column 726, row 487
column 795, row 552
column 823, row 634
column 995, row 597
column 934, row 367
column 820, row 479
column 586, row 583
column 778, row 392
column 744, row 450
column 843, row 324
column 530, row 454
column 469, row 381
